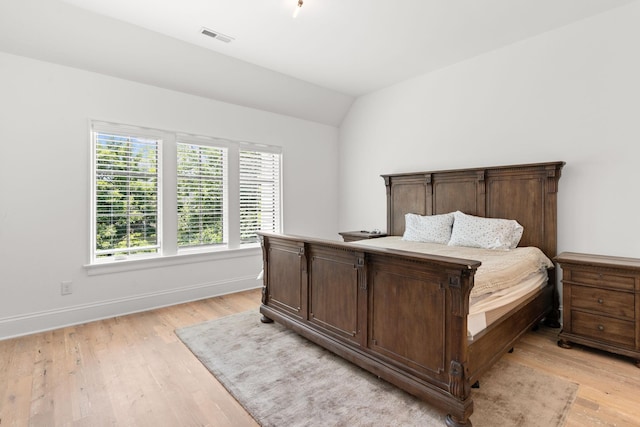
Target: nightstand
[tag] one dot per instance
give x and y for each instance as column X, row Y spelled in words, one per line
column 601, row 303
column 352, row 236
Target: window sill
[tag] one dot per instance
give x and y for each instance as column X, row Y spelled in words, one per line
column 119, row 266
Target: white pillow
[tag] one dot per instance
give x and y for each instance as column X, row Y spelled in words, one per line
column 431, row 228
column 487, row 233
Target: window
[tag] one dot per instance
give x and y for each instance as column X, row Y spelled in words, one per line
column 259, row 194
column 158, row 193
column 201, row 194
column 126, row 195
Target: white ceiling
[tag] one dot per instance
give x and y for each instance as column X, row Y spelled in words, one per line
column 352, row 46
column 310, row 67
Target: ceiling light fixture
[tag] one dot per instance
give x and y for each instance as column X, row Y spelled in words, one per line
column 298, row 7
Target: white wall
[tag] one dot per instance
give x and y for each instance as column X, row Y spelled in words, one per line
column 572, row 94
column 44, row 192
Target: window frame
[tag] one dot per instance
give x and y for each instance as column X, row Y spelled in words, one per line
column 215, row 144
column 124, row 130
column 167, row 230
column 277, row 198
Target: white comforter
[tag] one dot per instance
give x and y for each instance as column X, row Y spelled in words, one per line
column 499, row 269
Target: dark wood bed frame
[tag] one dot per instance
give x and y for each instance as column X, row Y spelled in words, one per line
column 402, row 315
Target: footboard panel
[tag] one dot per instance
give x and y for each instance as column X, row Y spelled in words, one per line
column 407, row 317
column 336, row 292
column 285, row 272
column 400, row 315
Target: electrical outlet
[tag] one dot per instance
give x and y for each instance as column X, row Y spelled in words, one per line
column 66, row 288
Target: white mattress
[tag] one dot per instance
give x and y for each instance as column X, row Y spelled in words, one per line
column 487, row 310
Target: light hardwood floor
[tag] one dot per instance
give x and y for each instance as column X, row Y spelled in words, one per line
column 133, row 371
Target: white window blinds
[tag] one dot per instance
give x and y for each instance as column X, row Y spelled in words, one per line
column 259, row 193
column 201, row 195
column 126, row 194
column 159, row 193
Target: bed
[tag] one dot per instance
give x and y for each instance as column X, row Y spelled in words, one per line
column 404, row 315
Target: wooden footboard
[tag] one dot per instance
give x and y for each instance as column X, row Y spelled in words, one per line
column 399, row 315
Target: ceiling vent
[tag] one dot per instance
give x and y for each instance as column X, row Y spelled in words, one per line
column 216, row 35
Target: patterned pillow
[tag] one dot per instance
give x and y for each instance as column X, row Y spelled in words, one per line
column 432, row 228
column 487, row 233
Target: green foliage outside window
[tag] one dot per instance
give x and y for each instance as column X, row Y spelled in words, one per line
column 200, row 195
column 127, row 188
column 126, row 195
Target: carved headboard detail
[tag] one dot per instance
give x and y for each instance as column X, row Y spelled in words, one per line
column 526, row 193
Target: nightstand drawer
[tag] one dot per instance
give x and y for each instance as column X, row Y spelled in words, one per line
column 618, row 304
column 603, row 279
column 603, row 328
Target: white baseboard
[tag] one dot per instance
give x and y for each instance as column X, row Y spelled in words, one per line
column 30, row 323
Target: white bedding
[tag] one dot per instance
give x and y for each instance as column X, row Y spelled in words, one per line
column 484, row 312
column 499, row 270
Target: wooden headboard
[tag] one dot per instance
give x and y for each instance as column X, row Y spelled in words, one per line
column 526, row 193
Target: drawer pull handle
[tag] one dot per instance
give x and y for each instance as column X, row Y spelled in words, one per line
column 601, row 327
column 600, row 301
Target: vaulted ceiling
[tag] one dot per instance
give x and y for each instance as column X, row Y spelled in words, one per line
column 311, row 67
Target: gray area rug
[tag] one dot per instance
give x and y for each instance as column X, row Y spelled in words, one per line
column 282, row 379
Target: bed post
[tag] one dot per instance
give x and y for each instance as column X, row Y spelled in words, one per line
column 460, row 286
column 265, row 274
column 551, row 212
column 387, row 186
